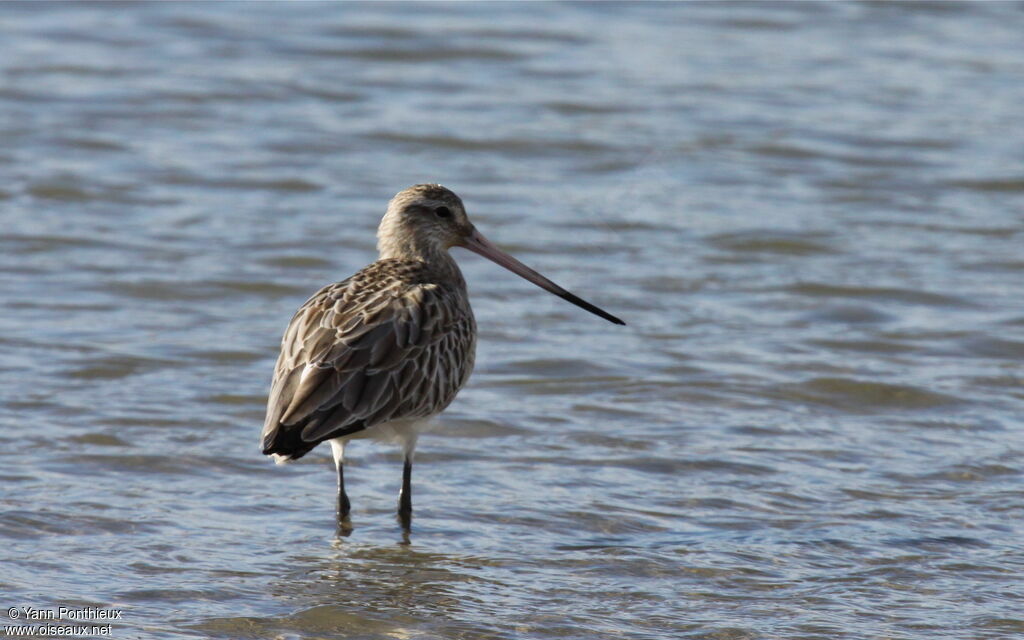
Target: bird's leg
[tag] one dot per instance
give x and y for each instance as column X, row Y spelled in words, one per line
column 344, row 525
column 343, row 504
column 405, row 497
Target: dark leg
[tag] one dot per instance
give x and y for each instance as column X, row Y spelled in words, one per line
column 344, row 525
column 343, row 504
column 405, row 498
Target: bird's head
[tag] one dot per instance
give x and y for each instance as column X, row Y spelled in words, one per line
column 422, row 221
column 425, row 220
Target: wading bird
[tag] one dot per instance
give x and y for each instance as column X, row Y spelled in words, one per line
column 380, row 353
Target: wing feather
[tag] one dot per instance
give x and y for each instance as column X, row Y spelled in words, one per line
column 365, row 351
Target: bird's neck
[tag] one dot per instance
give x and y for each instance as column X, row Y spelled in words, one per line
column 436, row 258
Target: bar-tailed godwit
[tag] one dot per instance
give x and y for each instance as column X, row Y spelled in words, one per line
column 380, row 353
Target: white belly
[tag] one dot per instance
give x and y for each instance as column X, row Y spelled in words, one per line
column 401, row 432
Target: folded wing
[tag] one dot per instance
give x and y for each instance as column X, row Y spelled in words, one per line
column 355, row 356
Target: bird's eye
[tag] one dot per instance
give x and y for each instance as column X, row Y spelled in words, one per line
column 443, row 212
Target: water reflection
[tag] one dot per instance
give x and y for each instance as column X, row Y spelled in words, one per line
column 359, row 590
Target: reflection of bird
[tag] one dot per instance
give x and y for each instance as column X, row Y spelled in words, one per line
column 377, row 354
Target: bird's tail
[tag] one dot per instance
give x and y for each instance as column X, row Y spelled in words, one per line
column 285, row 443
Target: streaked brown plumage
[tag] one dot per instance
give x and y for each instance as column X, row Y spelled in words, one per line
column 377, row 354
column 396, row 340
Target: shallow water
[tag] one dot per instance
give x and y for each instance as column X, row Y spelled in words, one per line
column 810, row 215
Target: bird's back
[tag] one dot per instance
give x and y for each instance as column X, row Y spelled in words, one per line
column 394, row 341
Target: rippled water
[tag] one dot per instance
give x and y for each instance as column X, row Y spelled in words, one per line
column 810, row 215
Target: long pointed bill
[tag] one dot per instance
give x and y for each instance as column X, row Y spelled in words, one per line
column 477, row 243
